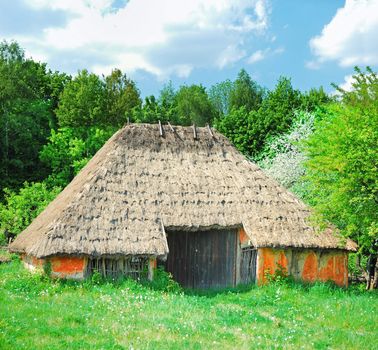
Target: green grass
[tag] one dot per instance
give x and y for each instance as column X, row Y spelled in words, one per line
column 36, row 313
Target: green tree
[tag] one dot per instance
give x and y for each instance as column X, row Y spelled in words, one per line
column 26, row 115
column 194, row 106
column 245, row 93
column 82, row 102
column 168, row 104
column 122, row 97
column 67, row 152
column 219, row 95
column 150, row 112
column 21, row 207
column 314, row 99
column 251, row 130
column 343, row 164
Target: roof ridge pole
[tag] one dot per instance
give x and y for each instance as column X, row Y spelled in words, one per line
column 160, row 129
column 169, row 124
column 194, row 131
column 210, row 131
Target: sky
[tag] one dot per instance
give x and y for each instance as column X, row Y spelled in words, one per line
column 313, row 42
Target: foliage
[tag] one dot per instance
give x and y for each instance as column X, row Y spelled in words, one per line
column 163, row 281
column 122, row 97
column 70, row 149
column 343, row 163
column 237, row 126
column 219, row 95
column 27, row 96
column 82, row 102
column 21, row 207
column 279, row 277
column 89, row 101
column 168, row 104
column 314, row 99
column 245, row 93
column 250, row 130
column 283, row 157
column 127, row 315
column 194, row 106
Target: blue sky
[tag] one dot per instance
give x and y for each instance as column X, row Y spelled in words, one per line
column 314, row 42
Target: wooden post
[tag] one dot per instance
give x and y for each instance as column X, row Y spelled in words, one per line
column 194, row 132
column 238, row 258
column 160, row 129
column 171, row 127
column 151, row 266
column 210, row 131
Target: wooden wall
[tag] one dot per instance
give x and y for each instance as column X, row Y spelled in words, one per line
column 205, row 259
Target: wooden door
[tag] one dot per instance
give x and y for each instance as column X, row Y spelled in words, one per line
column 248, row 265
column 205, row 259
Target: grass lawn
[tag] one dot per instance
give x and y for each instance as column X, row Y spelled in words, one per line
column 36, row 313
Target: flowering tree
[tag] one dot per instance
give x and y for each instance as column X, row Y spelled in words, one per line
column 283, row 158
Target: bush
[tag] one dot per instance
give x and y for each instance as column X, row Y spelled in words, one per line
column 21, row 207
column 163, row 281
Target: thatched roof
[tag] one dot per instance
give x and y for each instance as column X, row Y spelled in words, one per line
column 141, row 184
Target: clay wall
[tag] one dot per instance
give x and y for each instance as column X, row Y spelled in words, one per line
column 304, row 264
column 61, row 267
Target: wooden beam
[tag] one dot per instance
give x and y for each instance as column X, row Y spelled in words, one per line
column 210, row 131
column 151, row 264
column 194, row 132
column 169, row 124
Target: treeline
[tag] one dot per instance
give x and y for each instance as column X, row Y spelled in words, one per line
column 323, row 148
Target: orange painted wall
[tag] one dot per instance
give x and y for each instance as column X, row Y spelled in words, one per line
column 62, row 267
column 243, row 238
column 306, row 264
column 269, row 260
column 66, row 267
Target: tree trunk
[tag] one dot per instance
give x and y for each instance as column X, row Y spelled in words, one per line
column 372, row 272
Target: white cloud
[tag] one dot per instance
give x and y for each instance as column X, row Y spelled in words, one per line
column 260, row 55
column 347, row 84
column 139, row 35
column 351, row 36
column 230, row 54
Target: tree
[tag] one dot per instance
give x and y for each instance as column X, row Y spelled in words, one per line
column 245, row 93
column 343, row 163
column 314, row 99
column 283, row 159
column 194, row 106
column 122, row 97
column 237, row 126
column 21, row 207
column 82, row 102
column 251, row 130
column 26, row 115
column 219, row 95
column 168, row 104
column 67, row 152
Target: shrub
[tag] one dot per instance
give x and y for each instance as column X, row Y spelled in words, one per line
column 163, row 281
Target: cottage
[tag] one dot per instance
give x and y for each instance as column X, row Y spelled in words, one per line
column 185, row 196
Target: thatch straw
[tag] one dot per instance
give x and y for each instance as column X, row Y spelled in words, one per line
column 139, row 180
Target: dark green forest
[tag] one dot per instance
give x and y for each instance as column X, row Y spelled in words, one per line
column 322, row 147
